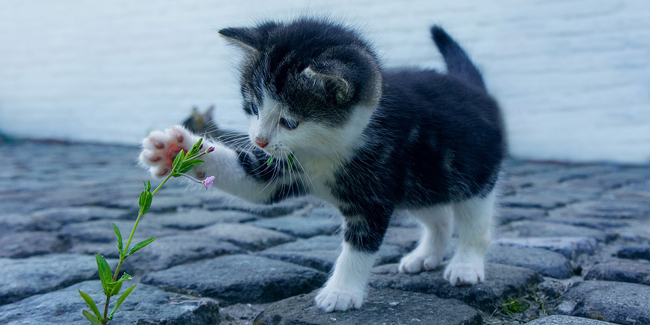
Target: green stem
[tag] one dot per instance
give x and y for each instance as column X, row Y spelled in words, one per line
column 128, row 243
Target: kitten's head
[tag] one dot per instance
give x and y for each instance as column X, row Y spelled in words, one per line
column 309, row 87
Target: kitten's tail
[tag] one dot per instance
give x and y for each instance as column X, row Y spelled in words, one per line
column 457, row 61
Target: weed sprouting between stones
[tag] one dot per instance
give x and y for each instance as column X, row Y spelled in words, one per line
column 111, row 284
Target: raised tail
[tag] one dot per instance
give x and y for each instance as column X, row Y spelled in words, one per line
column 457, row 61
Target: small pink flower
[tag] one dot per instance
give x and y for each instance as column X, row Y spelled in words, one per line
column 208, row 182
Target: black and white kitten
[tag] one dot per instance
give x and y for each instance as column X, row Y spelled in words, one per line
column 367, row 140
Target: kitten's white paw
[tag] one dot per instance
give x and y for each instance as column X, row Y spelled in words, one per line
column 460, row 273
column 330, row 299
column 161, row 147
column 416, row 262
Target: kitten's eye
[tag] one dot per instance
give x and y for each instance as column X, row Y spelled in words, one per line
column 255, row 110
column 288, row 124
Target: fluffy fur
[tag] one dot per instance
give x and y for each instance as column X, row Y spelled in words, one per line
column 365, row 139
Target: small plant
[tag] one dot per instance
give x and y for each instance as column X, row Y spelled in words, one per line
column 515, row 306
column 290, row 159
column 110, row 282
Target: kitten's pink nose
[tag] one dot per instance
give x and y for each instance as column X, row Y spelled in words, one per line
column 261, row 142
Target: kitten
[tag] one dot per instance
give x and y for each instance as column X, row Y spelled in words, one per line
column 367, row 140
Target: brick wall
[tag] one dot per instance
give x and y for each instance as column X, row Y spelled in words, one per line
column 573, row 76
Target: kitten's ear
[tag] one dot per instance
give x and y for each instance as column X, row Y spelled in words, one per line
column 332, row 79
column 248, row 39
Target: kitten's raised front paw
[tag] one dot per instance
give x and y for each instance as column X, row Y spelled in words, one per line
column 460, row 273
column 416, row 262
column 160, row 149
column 330, row 299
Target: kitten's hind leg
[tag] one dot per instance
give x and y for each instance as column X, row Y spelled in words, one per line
column 473, row 219
column 436, row 233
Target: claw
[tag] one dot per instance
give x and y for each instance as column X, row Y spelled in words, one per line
column 157, row 143
column 178, row 136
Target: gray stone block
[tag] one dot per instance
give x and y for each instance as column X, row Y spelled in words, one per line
column 320, row 252
column 382, row 306
column 503, row 282
column 403, row 237
column 240, row 314
column 506, row 215
column 545, row 262
column 547, row 197
column 616, row 302
column 547, row 229
column 22, row 278
column 168, row 251
column 238, row 278
column 566, row 320
column 634, row 252
column 571, row 247
column 230, row 203
column 145, row 305
column 14, row 222
column 191, row 219
column 101, row 231
column 30, row 243
column 621, row 271
column 301, row 226
column 66, row 215
column 551, row 289
column 245, row 236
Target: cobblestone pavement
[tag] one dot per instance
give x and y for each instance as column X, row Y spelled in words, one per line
column 572, row 247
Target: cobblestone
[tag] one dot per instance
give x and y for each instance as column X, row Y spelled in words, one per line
column 238, row 278
column 505, row 282
column 569, row 239
column 382, row 307
column 146, row 305
column 621, row 303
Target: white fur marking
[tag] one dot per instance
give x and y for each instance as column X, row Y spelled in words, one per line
column 474, row 225
column 346, row 288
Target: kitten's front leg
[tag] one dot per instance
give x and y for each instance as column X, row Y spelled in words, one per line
column 346, row 287
column 232, row 169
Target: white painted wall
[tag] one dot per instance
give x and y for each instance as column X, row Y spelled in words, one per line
column 573, row 76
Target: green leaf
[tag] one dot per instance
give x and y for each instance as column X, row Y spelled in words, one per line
column 93, row 320
column 145, row 201
column 141, row 245
column 119, row 239
column 195, row 149
column 143, row 196
column 189, row 165
column 89, row 301
column 270, row 161
column 114, row 288
column 119, row 302
column 104, row 273
column 148, row 187
column 291, row 157
column 178, row 161
column 117, row 285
